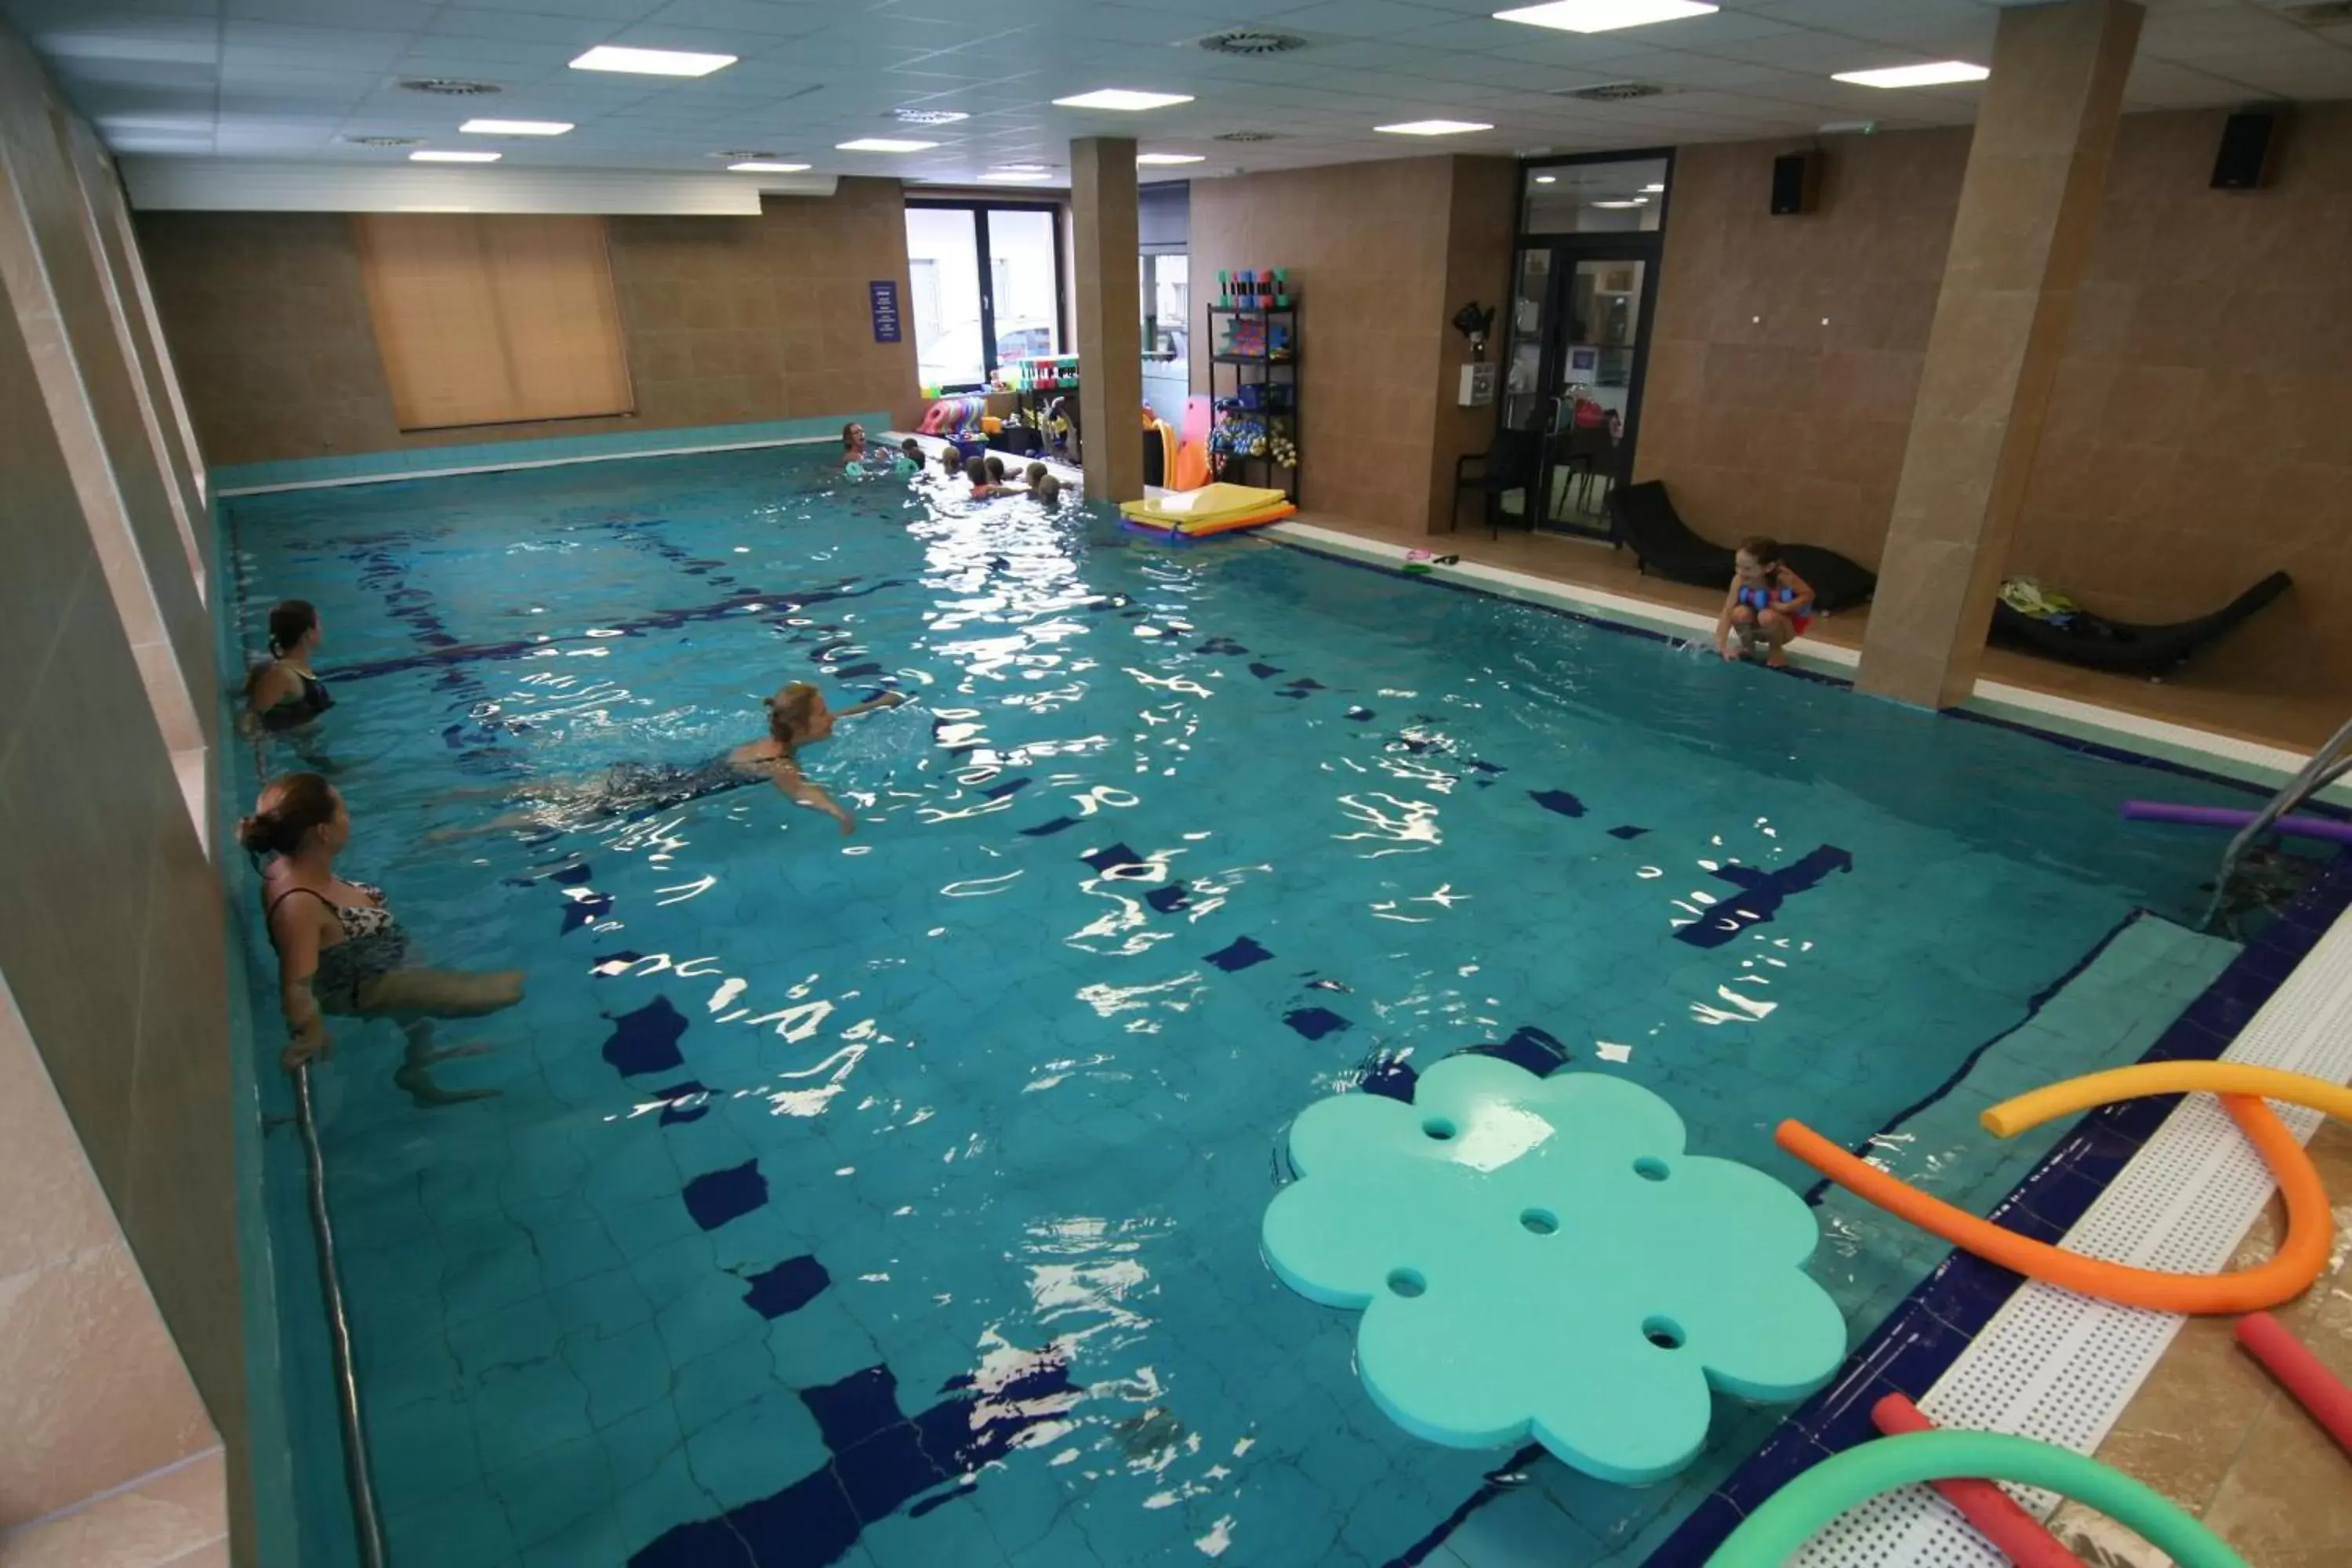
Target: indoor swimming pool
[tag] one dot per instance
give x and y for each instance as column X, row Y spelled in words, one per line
column 894, row 1197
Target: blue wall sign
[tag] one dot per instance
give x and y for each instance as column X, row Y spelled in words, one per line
column 885, row 297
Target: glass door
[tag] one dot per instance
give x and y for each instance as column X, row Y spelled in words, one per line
column 1597, row 330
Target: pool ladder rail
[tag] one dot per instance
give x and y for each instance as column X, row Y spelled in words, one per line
column 358, row 1477
column 2330, row 763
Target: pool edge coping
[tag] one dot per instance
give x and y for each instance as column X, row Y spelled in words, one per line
column 2063, row 721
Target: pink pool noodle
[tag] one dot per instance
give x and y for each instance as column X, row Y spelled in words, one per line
column 2017, row 1533
column 2224, row 816
column 2319, row 1390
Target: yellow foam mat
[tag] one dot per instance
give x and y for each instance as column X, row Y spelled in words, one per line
column 1194, row 509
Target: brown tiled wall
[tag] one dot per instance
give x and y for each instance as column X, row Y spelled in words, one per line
column 2199, row 433
column 1761, row 417
column 2195, row 438
column 1368, row 247
column 1480, row 231
column 727, row 319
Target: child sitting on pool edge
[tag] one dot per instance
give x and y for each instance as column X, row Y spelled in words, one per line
column 1766, row 603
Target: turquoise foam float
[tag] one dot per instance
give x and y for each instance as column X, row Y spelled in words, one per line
column 1539, row 1256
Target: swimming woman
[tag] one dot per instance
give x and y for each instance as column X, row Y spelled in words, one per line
column 1766, row 603
column 285, row 692
column 797, row 717
column 341, row 951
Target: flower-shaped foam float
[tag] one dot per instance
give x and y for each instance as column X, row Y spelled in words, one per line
column 1539, row 1255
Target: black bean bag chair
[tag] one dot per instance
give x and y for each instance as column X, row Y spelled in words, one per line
column 1662, row 542
column 2097, row 643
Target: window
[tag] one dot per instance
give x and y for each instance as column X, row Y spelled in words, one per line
column 970, row 319
column 494, row 320
column 1164, row 307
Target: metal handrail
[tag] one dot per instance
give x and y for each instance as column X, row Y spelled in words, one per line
column 357, row 1475
column 2330, row 763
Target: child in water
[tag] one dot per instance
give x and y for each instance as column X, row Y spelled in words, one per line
column 1766, row 603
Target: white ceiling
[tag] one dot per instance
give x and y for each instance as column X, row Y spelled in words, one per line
column 289, row 79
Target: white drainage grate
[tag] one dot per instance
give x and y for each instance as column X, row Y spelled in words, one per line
column 2060, row 1367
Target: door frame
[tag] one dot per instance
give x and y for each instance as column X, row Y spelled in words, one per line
column 1647, row 246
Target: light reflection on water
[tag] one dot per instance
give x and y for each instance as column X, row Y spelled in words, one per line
column 1167, row 845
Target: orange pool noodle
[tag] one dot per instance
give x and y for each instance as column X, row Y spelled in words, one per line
column 2310, row 1226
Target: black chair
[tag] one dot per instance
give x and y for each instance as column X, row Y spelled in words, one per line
column 1509, row 465
column 2127, row 647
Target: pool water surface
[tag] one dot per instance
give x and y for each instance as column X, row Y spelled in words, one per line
column 894, row 1198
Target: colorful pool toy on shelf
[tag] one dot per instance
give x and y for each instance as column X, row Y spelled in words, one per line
column 1199, row 514
column 1496, row 1200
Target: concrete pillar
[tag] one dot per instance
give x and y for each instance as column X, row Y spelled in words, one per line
column 1109, row 315
column 2036, row 168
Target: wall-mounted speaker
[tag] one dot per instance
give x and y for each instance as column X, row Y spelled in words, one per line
column 2249, row 146
column 1796, row 177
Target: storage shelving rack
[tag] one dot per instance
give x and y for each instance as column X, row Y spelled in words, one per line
column 1237, row 467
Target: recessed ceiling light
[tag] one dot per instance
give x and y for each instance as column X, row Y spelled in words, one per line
column 432, row 157
column 1025, row 168
column 882, row 144
column 1547, row 179
column 515, row 127
column 1433, row 128
column 1603, row 15
column 1652, row 190
column 1637, row 202
column 1937, row 73
column 1170, row 158
column 1015, row 176
column 929, row 116
column 650, row 62
column 761, row 167
column 1123, row 98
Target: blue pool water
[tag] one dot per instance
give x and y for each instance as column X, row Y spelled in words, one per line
column 894, row 1199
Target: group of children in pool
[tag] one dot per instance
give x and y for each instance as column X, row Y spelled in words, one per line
column 988, row 475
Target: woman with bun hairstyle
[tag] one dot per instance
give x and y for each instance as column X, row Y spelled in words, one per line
column 285, row 692
column 341, row 951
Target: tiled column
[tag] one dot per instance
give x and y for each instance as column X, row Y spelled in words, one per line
column 2036, row 167
column 1109, row 314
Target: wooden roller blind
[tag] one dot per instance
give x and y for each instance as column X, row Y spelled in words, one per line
column 494, row 319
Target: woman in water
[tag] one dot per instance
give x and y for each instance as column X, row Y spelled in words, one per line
column 285, row 692
column 797, row 717
column 341, row 951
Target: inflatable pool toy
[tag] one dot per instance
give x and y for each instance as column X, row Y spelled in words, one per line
column 2035, row 1107
column 2319, row 1390
column 1540, row 1256
column 2224, row 816
column 1989, row 1511
column 1788, row 1519
column 1192, row 470
column 1213, row 509
column 2310, row 1226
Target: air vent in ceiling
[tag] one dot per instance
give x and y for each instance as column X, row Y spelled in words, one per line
column 746, row 152
column 1613, row 91
column 448, row 86
column 384, row 141
column 1253, row 42
column 2326, row 13
column 929, row 116
column 1246, row 136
